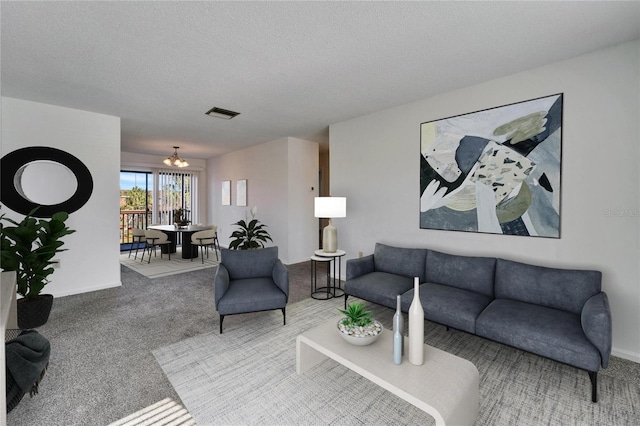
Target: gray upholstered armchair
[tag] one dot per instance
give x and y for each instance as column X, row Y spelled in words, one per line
column 251, row 281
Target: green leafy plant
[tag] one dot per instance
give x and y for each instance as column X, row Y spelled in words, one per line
column 28, row 248
column 251, row 234
column 355, row 315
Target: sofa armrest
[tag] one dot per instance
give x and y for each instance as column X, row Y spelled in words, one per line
column 596, row 324
column 360, row 266
column 280, row 276
column 221, row 282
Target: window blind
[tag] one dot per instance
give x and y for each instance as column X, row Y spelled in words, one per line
column 175, row 189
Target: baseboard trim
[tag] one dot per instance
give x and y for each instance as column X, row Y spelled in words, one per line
column 88, row 289
column 626, row 355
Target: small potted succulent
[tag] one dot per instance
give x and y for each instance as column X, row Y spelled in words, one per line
column 357, row 327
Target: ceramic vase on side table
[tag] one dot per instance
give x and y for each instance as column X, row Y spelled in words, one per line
column 416, row 327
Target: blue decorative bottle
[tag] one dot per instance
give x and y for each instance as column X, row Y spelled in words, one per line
column 398, row 333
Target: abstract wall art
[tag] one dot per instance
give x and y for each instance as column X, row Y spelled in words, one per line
column 494, row 171
column 241, row 192
column 226, row 192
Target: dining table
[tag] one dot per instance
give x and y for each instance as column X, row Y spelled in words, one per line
column 189, row 251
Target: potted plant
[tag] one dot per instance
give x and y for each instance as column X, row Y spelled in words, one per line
column 251, row 234
column 28, row 247
column 179, row 218
column 357, row 327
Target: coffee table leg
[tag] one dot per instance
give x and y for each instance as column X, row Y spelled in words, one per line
column 306, row 356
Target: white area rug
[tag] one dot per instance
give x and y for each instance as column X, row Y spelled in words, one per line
column 163, row 413
column 246, row 376
column 161, row 267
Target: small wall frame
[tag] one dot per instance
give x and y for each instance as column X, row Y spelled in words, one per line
column 241, row 192
column 226, row 192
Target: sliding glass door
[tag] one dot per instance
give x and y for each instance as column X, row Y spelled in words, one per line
column 176, row 190
column 136, row 203
column 153, row 197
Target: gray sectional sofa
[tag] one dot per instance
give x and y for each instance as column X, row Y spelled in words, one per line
column 559, row 314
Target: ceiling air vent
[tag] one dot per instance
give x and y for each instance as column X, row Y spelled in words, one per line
column 222, row 113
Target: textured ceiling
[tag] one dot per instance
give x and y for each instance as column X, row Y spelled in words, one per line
column 289, row 68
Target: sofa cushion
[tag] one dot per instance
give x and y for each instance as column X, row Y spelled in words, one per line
column 450, row 306
column 378, row 287
column 407, row 262
column 564, row 289
column 249, row 263
column 466, row 272
column 544, row 331
column 251, row 295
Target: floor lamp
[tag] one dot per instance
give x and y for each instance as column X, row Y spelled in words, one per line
column 329, row 208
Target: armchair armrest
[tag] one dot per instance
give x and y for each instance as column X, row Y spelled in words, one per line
column 221, row 281
column 280, row 276
column 596, row 324
column 361, row 266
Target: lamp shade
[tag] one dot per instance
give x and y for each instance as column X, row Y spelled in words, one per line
column 330, row 207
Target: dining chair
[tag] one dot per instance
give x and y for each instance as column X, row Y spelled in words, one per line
column 155, row 238
column 138, row 236
column 204, row 239
column 216, row 243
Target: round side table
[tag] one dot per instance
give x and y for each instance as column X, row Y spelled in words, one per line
column 320, row 293
column 336, row 287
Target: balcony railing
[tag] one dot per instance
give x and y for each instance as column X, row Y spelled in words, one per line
column 130, row 219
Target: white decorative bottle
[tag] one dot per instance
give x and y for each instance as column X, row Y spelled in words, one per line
column 398, row 333
column 416, row 327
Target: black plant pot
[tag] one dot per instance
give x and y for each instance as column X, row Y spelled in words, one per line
column 34, row 312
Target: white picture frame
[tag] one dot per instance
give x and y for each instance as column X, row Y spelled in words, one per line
column 226, row 192
column 241, row 193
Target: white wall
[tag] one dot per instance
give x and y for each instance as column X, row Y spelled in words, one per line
column 375, row 164
column 95, row 140
column 279, row 178
column 303, row 165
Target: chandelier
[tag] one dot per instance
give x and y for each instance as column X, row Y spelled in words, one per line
column 174, row 160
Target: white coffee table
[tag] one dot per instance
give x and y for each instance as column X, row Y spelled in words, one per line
column 445, row 386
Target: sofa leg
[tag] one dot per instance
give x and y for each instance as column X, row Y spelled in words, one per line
column 593, row 375
column 221, row 319
column 345, row 300
column 284, row 316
